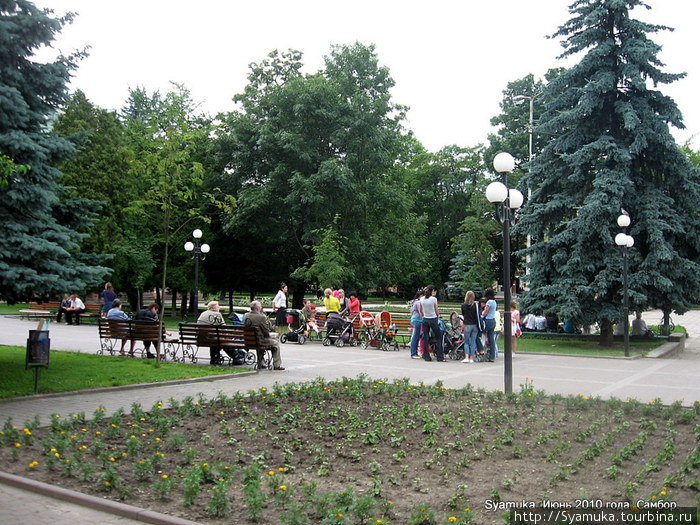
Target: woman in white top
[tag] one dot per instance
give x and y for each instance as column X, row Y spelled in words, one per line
column 429, row 311
column 279, row 304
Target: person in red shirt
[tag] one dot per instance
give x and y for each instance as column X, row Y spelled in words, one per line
column 355, row 306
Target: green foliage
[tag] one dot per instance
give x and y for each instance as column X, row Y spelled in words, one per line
column 330, row 266
column 39, row 250
column 611, row 148
column 448, row 189
column 101, row 171
column 307, row 148
column 513, row 122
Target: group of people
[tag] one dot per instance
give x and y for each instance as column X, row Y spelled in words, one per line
column 334, row 300
column 480, row 318
column 254, row 318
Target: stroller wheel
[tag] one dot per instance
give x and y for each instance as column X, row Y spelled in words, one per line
column 250, row 358
column 302, row 339
column 339, row 342
column 353, row 341
column 395, row 346
column 326, row 342
column 283, row 338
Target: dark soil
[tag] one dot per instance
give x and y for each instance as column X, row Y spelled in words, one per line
column 355, row 451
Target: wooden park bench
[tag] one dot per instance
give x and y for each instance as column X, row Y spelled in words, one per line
column 113, row 332
column 193, row 336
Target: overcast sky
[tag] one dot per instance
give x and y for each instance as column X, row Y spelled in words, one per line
column 450, row 59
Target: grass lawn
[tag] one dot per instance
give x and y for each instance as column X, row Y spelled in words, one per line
column 572, row 346
column 75, row 371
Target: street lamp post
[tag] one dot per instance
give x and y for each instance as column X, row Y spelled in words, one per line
column 199, row 252
column 505, row 199
column 531, row 125
column 625, row 242
column 530, row 130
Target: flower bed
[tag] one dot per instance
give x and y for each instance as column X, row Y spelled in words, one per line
column 360, row 451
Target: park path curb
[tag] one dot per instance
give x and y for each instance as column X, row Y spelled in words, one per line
column 93, row 502
column 188, row 380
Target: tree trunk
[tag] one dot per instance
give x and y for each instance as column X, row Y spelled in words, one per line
column 193, row 306
column 183, row 305
column 252, row 295
column 298, row 291
column 606, row 333
column 666, row 327
column 158, row 297
column 230, row 300
column 134, row 299
column 173, row 304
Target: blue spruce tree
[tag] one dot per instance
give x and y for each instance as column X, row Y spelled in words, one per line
column 611, row 148
column 40, row 246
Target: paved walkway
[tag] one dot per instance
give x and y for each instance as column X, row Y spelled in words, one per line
column 644, row 379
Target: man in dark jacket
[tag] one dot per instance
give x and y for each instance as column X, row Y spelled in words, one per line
column 257, row 319
column 149, row 314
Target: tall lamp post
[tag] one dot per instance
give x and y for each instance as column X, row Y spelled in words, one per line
column 530, row 130
column 505, row 199
column 625, row 242
column 199, row 252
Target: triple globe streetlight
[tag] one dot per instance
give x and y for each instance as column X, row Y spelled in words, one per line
column 199, row 252
column 505, row 199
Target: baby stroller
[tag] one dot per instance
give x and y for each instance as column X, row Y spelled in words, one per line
column 297, row 327
column 387, row 332
column 339, row 331
column 453, row 338
column 370, row 333
column 379, row 331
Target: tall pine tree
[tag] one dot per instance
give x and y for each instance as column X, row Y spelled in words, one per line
column 39, row 248
column 611, row 149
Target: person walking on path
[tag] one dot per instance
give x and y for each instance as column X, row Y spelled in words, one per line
column 489, row 315
column 431, row 324
column 515, row 330
column 472, row 317
column 108, row 297
column 258, row 320
column 279, row 304
column 416, row 324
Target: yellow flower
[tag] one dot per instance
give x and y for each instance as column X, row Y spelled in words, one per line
column 112, row 459
column 57, row 455
column 271, row 473
column 18, row 445
column 98, row 433
column 338, row 515
column 27, row 431
column 663, row 493
column 164, row 476
column 281, row 469
column 283, row 487
column 107, row 483
column 33, row 464
column 452, row 519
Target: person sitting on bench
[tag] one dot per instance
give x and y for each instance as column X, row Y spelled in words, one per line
column 117, row 314
column 148, row 314
column 63, row 308
column 257, row 319
column 76, row 308
column 212, row 316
